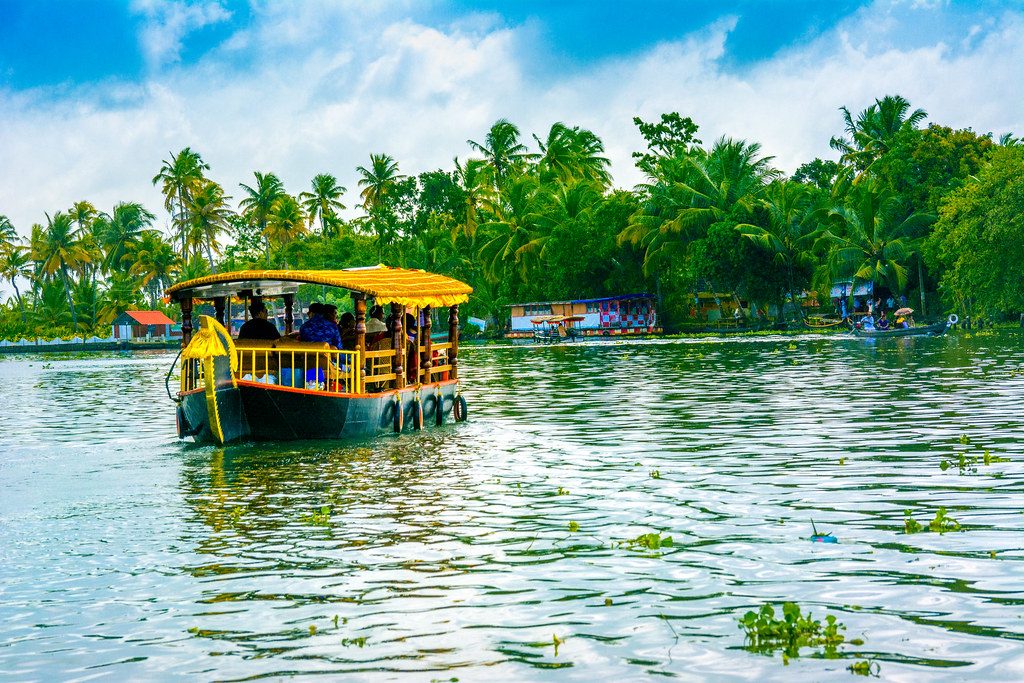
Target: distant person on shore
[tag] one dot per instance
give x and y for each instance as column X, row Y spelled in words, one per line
column 258, row 327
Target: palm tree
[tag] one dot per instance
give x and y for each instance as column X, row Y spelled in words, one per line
column 872, row 134
column 8, row 235
column 60, row 252
column 380, row 185
column 514, row 224
column 209, row 216
column 324, row 202
column 121, row 230
column 179, row 177
column 501, row 149
column 15, row 263
column 257, row 202
column 793, row 223
column 286, row 220
column 870, row 238
column 154, row 263
column 573, row 153
column 473, row 179
column 121, row 294
column 690, row 193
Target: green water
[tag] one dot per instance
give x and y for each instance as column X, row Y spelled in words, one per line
column 125, row 554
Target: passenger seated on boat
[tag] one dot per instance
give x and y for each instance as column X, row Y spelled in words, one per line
column 347, row 330
column 867, row 323
column 258, row 327
column 298, row 359
column 319, row 328
column 376, row 328
column 883, row 322
column 902, row 323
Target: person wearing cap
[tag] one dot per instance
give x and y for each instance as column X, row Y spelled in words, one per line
column 258, row 327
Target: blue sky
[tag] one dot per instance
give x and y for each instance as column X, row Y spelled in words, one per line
column 93, row 95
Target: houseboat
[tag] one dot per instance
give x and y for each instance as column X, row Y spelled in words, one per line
column 233, row 389
column 627, row 314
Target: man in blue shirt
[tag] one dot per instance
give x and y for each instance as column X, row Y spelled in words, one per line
column 319, row 329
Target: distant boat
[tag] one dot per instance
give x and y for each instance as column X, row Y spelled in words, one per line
column 936, row 330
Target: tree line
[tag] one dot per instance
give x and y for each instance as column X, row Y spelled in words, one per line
column 922, row 210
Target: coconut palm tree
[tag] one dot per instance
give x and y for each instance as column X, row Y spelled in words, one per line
column 286, row 220
column 61, row 253
column 870, row 238
column 8, row 235
column 872, row 133
column 15, row 264
column 210, row 217
column 476, row 183
column 122, row 229
column 380, row 185
column 514, row 223
column 794, row 222
column 324, row 202
column 154, row 263
column 573, row 153
column 179, row 177
column 501, row 149
column 257, row 201
column 690, row 193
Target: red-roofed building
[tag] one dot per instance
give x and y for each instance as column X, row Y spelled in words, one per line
column 144, row 325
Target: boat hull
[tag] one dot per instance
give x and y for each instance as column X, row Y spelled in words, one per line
column 935, row 330
column 260, row 412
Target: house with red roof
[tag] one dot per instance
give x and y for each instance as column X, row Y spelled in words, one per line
column 144, row 325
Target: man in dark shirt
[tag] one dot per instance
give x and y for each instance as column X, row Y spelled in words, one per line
column 319, row 328
column 258, row 327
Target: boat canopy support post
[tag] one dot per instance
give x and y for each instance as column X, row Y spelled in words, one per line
column 453, row 337
column 289, row 319
column 186, row 321
column 359, row 304
column 414, row 356
column 427, row 360
column 398, row 344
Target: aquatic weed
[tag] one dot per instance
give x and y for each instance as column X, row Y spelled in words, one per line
column 655, row 474
column 766, row 634
column 649, row 541
column 318, row 518
column 967, row 464
column 864, row 667
column 941, row 523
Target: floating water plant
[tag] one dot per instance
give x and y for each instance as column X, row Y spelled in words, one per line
column 765, row 633
column 562, row 491
column 651, row 541
column 655, row 474
column 864, row 667
column 941, row 523
column 968, row 464
column 574, row 526
column 322, row 517
column 557, row 641
column 358, row 642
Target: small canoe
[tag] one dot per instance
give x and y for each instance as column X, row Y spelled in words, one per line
column 936, row 330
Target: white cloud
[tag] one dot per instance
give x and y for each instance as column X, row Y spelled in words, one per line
column 319, row 88
column 168, row 22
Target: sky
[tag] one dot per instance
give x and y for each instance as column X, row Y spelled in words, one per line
column 95, row 95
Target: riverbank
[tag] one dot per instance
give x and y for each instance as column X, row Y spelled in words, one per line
column 78, row 346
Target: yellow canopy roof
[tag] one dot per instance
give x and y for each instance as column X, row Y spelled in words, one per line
column 386, row 285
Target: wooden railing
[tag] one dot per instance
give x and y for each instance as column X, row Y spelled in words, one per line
column 300, row 366
column 309, row 365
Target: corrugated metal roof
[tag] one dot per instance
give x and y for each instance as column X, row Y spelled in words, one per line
column 149, row 317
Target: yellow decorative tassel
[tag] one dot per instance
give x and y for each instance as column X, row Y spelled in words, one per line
column 205, row 344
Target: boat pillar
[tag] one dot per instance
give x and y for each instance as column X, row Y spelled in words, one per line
column 186, row 321
column 289, row 318
column 398, row 344
column 453, row 337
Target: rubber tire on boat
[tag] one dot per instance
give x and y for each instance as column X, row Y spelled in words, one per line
column 417, row 415
column 460, row 410
column 439, row 409
column 953, row 319
column 399, row 417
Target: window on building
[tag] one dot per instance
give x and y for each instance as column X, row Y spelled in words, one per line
column 593, row 307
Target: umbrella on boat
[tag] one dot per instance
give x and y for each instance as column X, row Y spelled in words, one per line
column 904, row 311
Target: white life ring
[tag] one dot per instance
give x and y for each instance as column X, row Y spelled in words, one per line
column 953, row 319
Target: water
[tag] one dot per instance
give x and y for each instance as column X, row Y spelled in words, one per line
column 125, row 554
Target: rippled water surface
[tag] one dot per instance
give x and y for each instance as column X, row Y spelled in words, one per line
column 446, row 554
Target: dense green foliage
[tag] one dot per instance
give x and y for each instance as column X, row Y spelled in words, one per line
column 524, row 222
